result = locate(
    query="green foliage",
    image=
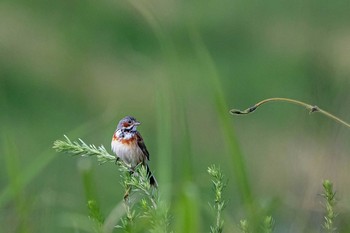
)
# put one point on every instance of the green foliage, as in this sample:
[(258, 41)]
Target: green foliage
[(138, 192), (329, 204), (244, 226), (143, 208), (219, 203), (82, 149), (27, 174), (16, 187), (268, 224), (210, 72), (95, 215)]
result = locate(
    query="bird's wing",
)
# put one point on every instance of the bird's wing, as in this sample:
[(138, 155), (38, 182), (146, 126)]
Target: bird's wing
[(142, 145)]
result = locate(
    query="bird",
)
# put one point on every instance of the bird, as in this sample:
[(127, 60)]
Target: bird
[(129, 146)]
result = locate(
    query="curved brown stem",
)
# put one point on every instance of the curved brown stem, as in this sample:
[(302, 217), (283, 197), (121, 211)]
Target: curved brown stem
[(311, 108)]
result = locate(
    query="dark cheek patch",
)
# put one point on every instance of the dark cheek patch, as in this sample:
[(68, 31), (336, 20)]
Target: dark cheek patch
[(125, 124)]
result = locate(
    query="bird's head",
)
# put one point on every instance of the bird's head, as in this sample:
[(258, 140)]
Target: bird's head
[(128, 123)]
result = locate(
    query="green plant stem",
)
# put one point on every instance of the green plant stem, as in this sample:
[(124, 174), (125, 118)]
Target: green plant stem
[(219, 203), (244, 226), (330, 201), (268, 224), (311, 108), (83, 149), (151, 197)]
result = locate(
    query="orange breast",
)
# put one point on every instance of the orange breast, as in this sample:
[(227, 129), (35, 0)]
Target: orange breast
[(124, 141), (128, 141)]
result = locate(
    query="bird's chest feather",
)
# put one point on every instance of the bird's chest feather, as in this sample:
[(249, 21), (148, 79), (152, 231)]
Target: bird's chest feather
[(125, 146)]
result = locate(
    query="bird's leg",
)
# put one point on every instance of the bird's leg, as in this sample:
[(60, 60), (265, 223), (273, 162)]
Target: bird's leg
[(128, 188), (127, 192), (117, 160)]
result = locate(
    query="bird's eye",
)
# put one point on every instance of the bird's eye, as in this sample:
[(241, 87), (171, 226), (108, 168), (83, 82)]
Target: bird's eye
[(129, 122)]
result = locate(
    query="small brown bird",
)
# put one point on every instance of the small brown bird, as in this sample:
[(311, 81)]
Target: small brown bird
[(129, 146)]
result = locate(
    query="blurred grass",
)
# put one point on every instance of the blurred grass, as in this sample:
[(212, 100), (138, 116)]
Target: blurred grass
[(238, 165), (164, 145), (76, 68), (20, 178), (16, 187)]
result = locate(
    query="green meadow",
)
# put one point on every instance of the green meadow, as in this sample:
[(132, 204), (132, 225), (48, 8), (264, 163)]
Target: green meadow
[(76, 68)]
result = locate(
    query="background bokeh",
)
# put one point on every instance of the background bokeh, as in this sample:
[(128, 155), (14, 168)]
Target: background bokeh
[(77, 67)]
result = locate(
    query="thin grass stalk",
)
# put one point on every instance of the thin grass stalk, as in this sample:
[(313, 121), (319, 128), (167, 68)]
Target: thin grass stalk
[(236, 157), (309, 107), (16, 185)]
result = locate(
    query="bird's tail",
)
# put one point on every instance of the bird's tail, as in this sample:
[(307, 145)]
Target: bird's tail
[(152, 179)]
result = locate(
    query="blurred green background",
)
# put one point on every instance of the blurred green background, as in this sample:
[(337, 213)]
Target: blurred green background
[(77, 67)]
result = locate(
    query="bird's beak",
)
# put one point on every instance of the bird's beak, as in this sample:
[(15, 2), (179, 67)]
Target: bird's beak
[(136, 123)]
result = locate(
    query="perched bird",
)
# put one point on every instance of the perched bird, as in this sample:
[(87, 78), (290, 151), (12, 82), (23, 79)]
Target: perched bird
[(129, 146)]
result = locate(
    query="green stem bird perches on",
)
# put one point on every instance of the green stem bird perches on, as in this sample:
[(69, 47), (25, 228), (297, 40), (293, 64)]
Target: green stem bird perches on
[(136, 182), (83, 149), (311, 108)]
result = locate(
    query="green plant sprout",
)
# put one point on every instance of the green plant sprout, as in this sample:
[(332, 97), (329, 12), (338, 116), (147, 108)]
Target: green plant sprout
[(311, 108), (268, 224), (83, 149), (95, 215), (330, 202), (219, 203), (244, 226)]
